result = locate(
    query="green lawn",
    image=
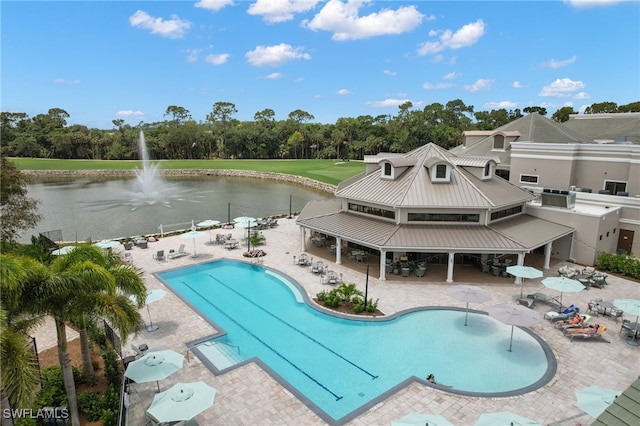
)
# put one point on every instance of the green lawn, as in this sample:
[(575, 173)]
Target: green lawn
[(327, 171)]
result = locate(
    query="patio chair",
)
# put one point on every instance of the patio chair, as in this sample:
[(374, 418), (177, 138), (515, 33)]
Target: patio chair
[(626, 328), (179, 253), (569, 312), (593, 308), (159, 256), (616, 314), (596, 334)]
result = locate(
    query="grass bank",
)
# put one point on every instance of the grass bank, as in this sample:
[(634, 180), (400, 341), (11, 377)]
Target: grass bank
[(327, 171)]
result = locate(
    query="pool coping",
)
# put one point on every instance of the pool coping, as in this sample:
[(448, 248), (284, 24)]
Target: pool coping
[(193, 346)]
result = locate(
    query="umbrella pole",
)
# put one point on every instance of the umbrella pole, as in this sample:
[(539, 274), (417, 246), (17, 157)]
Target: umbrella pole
[(151, 326), (511, 340), (466, 317), (521, 286)]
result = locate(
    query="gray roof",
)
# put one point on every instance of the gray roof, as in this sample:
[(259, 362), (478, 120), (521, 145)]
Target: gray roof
[(616, 127), (517, 234), (414, 188), (625, 409)]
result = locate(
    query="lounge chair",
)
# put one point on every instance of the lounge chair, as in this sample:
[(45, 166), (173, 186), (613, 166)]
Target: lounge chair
[(527, 301), (159, 256), (575, 322), (595, 334), (545, 298), (179, 253), (569, 312)]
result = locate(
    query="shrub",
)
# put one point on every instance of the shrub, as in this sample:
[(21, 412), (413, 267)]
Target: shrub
[(111, 367), (52, 392), (90, 403), (619, 263)]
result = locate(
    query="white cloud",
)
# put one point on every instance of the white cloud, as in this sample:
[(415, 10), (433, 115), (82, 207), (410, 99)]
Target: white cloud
[(452, 75), (217, 59), (481, 84), (67, 82), (275, 55), (438, 86), (192, 55), (500, 105), (390, 73), (563, 63), (466, 36), (387, 103), (343, 92), (343, 20), (582, 95), (594, 3), (516, 85), (172, 28), (130, 114), (214, 5), (276, 11), (274, 76), (561, 88)]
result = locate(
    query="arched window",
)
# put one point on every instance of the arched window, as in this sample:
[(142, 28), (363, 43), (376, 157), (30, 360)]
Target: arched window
[(441, 171), (387, 169), (498, 142), (487, 170)]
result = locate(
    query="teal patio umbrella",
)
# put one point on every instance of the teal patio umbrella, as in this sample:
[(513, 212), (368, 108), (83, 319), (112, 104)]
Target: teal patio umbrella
[(183, 401), (208, 224), (152, 296), (521, 271), (193, 235), (594, 399), (563, 285), (154, 366), (631, 307), (503, 418)]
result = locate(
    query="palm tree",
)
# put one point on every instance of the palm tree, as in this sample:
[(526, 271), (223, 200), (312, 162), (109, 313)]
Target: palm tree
[(114, 304), (256, 240), (19, 373), (70, 288)]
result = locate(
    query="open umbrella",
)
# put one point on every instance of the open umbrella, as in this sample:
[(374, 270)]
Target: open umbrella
[(154, 366), (63, 250), (152, 296), (503, 418), (594, 399), (563, 285), (631, 307), (183, 401), (193, 234), (521, 271), (514, 315), (419, 419), (107, 244), (208, 224), (468, 293), (245, 222)]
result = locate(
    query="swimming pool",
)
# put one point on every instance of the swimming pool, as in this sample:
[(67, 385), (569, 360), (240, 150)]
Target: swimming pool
[(339, 366)]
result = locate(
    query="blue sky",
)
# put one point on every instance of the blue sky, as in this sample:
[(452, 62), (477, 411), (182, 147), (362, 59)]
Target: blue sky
[(102, 61)]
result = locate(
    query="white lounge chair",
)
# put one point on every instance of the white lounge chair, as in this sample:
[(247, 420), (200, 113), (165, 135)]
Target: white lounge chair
[(179, 253)]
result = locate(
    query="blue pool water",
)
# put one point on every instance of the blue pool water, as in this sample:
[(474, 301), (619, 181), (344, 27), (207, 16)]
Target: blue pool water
[(341, 365)]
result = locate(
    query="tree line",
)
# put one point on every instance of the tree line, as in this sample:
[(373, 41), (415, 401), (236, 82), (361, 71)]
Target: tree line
[(220, 135)]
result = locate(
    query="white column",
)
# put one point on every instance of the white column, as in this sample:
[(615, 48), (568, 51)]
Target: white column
[(520, 263), (383, 264), (450, 262), (302, 238), (547, 255), (338, 251)]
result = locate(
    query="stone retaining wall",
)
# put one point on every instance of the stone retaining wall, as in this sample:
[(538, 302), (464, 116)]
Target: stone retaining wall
[(283, 177)]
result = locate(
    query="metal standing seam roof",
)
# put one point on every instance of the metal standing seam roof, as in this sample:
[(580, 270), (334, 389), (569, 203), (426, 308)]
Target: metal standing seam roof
[(383, 234), (414, 187), (624, 410)]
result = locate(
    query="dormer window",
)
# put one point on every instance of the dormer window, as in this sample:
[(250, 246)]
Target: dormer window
[(441, 173), (498, 142), (488, 169), (387, 169)]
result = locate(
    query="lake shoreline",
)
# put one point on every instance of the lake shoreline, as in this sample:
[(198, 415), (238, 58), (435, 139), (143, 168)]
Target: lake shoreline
[(110, 174)]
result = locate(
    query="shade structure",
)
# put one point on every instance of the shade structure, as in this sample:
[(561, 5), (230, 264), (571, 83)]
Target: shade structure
[(420, 419), (563, 285), (154, 366), (594, 399), (183, 401), (208, 224), (152, 296), (514, 315), (468, 294), (503, 418), (521, 271), (631, 307), (245, 222), (194, 234), (107, 244), (63, 250)]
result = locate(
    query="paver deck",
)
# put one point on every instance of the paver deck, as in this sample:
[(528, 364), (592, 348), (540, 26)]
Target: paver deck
[(249, 396)]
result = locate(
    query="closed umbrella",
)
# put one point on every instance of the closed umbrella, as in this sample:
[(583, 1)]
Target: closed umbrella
[(563, 285), (521, 271), (194, 234), (419, 419), (503, 418), (594, 399), (467, 293), (154, 366), (152, 296), (183, 401), (631, 307), (208, 224), (514, 315)]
